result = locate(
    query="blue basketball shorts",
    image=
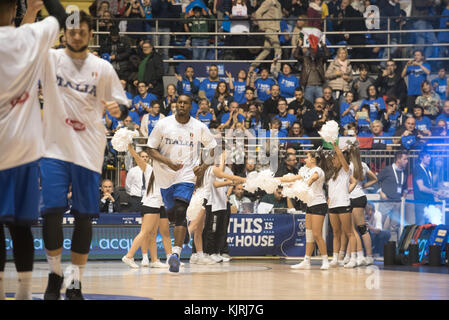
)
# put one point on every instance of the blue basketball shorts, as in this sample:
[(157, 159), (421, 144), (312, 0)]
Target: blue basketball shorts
[(19, 194), (56, 178), (180, 191)]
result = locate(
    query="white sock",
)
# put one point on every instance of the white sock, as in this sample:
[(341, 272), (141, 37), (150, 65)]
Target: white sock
[(2, 288), (200, 253), (325, 259), (78, 271), (335, 257), (360, 254), (177, 250), (144, 256), (341, 255), (354, 255), (307, 258), (55, 264), (24, 288)]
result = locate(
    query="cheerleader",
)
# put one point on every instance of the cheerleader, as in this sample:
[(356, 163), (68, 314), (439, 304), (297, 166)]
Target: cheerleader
[(316, 211), (339, 182), (153, 216), (360, 171)]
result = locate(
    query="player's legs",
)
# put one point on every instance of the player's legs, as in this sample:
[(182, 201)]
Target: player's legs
[(310, 245), (346, 223)]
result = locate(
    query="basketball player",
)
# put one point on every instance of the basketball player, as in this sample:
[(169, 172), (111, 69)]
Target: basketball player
[(77, 86), (22, 52), (175, 148)]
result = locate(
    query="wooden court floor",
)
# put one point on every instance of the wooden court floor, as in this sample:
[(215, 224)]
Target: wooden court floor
[(250, 280)]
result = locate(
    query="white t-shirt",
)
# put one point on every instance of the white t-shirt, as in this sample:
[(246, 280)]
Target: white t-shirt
[(317, 187), (208, 179), (339, 189), (181, 143), (358, 190), (218, 197), (134, 183), (239, 25), (73, 109), (22, 51), (154, 198)]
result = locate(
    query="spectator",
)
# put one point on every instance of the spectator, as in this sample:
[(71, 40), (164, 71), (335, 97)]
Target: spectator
[(297, 131), (169, 98), (148, 10), (443, 37), (285, 38), (269, 9), (238, 200), (378, 133), (209, 85), (250, 100), (409, 134), (289, 165), (132, 122), (315, 118), (348, 109), (151, 70), (445, 114), (274, 203), (421, 9), (119, 51), (165, 9), (129, 96), (275, 129), (363, 121), (332, 105), (339, 73), (312, 71), (422, 187), (238, 87), (110, 202), (262, 85), (222, 99), (135, 184), (423, 123), (393, 186), (134, 10), (360, 84), (379, 237), (230, 119), (429, 100), (439, 84), (391, 118), (62, 42), (143, 100), (253, 119), (390, 83), (269, 108), (151, 118), (300, 105), (105, 24), (239, 24), (391, 10), (188, 84), (286, 118), (222, 8), (286, 81), (205, 113), (374, 101), (195, 24), (297, 36), (417, 71), (314, 13)]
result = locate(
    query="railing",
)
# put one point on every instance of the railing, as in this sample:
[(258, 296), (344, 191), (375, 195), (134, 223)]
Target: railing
[(387, 32)]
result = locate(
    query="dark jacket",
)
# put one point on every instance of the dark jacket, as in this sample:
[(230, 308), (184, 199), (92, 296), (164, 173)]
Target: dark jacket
[(164, 9), (154, 70), (104, 206), (122, 52), (394, 87), (309, 63)]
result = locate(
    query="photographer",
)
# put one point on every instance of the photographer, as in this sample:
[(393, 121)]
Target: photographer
[(417, 71)]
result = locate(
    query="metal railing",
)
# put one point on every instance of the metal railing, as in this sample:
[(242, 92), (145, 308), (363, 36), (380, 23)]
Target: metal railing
[(387, 32)]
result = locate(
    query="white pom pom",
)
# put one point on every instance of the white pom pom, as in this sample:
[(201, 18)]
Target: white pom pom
[(121, 139), (267, 182), (299, 190), (251, 182), (329, 131)]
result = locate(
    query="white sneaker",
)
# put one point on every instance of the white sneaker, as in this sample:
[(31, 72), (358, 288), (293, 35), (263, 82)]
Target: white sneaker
[(351, 264), (226, 257), (346, 259), (130, 262), (305, 264), (325, 265), (334, 263), (216, 257), (145, 263), (205, 260), (369, 261), (158, 264), (194, 258), (361, 262)]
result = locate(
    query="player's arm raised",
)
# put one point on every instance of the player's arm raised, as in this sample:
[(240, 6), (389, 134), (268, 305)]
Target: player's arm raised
[(33, 7)]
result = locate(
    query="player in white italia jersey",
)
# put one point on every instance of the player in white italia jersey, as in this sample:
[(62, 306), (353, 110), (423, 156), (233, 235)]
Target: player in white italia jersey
[(175, 148), (22, 52), (77, 86)]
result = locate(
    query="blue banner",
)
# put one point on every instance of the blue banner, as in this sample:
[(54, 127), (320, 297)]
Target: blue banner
[(250, 235)]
